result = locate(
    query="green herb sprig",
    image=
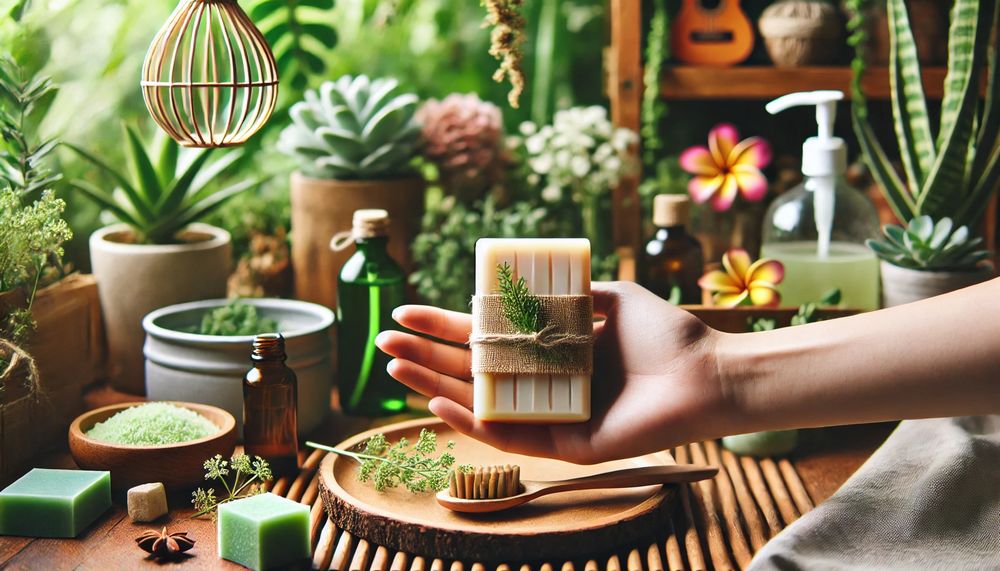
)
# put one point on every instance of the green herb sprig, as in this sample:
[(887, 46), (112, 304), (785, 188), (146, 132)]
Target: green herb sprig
[(805, 314), (241, 477), (234, 318), (389, 466), (519, 305)]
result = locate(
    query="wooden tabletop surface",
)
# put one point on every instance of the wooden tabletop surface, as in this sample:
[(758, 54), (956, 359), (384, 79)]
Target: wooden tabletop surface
[(824, 460)]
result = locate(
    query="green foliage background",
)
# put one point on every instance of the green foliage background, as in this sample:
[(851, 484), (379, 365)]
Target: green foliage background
[(93, 49)]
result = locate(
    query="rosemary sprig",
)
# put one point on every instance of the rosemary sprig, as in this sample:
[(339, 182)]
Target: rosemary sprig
[(248, 476), (391, 465), (519, 305)]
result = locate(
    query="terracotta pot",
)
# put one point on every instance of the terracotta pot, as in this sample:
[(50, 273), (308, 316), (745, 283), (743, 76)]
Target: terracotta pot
[(134, 279), (903, 285), (321, 208)]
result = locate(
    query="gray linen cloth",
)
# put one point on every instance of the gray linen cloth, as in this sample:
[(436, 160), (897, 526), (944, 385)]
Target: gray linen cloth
[(929, 498)]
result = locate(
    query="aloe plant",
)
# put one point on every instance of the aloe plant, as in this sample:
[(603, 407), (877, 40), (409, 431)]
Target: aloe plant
[(157, 199), (926, 245), (953, 173), (353, 129)]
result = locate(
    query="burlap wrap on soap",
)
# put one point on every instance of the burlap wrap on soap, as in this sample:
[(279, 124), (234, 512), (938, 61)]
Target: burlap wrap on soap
[(564, 347)]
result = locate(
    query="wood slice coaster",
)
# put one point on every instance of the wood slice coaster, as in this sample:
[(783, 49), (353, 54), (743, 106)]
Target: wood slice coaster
[(566, 525)]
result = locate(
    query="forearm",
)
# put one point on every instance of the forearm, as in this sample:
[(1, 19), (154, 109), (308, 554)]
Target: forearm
[(935, 358)]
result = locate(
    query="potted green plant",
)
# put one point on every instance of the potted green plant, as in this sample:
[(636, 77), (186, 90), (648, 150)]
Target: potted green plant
[(198, 352), (927, 258), (158, 254), (354, 141), (949, 178)]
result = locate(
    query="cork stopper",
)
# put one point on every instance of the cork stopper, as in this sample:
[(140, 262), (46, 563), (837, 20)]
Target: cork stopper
[(371, 223), (671, 209)]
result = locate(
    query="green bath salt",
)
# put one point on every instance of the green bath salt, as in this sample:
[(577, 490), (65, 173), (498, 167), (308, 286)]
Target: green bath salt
[(153, 424)]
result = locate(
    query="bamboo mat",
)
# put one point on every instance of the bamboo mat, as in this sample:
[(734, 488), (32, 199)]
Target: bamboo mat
[(716, 524)]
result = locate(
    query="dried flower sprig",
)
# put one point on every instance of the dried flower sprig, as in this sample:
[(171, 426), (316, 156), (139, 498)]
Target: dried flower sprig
[(241, 477), (391, 465), (506, 41)]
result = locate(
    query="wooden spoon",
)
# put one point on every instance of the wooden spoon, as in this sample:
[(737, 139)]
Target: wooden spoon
[(629, 478)]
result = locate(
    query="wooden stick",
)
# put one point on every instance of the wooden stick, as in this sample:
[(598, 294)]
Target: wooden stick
[(703, 499), (525, 567), (503, 567), (785, 505), (400, 562), (478, 567), (568, 566), (457, 566), (317, 517), (634, 561), (590, 566), (306, 474), (546, 567), (799, 493), (342, 554), (761, 494), (323, 552), (380, 561), (614, 564), (672, 548), (726, 501), (751, 515), (360, 560), (418, 564), (281, 486), (692, 543), (653, 560)]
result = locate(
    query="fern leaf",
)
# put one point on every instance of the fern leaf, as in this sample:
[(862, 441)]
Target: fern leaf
[(519, 305)]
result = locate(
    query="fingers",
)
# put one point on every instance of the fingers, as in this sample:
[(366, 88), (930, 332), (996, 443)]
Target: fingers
[(441, 323), (452, 361), (431, 383), (532, 440)]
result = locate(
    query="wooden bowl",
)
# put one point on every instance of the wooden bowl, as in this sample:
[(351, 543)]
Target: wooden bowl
[(179, 466)]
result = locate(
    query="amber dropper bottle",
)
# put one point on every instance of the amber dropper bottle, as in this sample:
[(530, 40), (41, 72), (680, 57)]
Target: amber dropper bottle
[(672, 260), (270, 405)]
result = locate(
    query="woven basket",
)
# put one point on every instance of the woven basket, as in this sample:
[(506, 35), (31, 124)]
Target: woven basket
[(801, 32)]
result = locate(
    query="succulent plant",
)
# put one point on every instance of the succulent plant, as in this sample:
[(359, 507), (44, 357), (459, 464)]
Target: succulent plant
[(463, 137), (354, 128), (926, 245), (160, 191)]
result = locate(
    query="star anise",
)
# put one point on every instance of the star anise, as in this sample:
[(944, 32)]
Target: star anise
[(164, 545)]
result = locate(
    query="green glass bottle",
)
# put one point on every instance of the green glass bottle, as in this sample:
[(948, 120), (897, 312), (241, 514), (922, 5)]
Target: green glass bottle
[(370, 286)]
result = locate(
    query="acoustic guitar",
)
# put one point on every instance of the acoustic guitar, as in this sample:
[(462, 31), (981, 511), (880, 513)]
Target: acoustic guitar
[(712, 32)]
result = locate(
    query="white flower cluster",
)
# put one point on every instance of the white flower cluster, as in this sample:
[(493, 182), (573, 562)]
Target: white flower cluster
[(581, 153)]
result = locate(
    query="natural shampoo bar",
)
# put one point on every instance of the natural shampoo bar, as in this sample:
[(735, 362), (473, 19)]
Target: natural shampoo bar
[(54, 503), (539, 373)]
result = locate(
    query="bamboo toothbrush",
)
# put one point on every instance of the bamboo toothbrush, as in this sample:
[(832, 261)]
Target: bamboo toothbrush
[(496, 488)]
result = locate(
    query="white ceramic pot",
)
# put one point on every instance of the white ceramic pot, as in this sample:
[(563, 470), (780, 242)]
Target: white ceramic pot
[(209, 369), (134, 279), (903, 285)]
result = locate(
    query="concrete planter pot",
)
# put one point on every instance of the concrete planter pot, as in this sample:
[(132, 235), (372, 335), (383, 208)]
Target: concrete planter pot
[(134, 279), (321, 208), (209, 369), (903, 285)]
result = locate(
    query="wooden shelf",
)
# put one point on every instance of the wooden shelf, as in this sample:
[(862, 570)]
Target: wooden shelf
[(765, 82)]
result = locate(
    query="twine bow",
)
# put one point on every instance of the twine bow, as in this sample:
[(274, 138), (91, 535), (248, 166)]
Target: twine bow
[(550, 337)]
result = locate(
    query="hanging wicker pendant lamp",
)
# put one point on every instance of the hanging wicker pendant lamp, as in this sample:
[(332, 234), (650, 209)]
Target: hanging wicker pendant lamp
[(209, 79)]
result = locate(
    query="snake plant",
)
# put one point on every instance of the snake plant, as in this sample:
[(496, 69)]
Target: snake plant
[(953, 173), (353, 129), (158, 199), (926, 245)]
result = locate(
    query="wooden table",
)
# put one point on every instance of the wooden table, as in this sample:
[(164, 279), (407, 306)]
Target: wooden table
[(825, 459)]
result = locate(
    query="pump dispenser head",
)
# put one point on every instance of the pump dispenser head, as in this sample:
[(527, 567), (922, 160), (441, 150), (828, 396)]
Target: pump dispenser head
[(824, 154)]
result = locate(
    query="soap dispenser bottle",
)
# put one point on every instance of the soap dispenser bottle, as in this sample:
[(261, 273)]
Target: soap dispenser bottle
[(818, 229)]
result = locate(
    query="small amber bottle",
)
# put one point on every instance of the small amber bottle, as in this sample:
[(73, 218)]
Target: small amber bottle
[(672, 261), (270, 404)]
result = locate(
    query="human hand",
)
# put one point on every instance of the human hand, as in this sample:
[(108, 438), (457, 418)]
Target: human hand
[(655, 382)]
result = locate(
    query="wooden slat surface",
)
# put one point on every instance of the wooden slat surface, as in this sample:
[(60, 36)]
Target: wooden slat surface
[(715, 524)]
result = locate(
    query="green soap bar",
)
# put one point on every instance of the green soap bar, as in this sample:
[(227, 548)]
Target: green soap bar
[(771, 443), (264, 531), (54, 503)]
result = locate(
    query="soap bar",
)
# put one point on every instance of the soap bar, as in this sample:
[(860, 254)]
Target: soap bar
[(54, 503), (556, 267), (264, 531), (147, 502)]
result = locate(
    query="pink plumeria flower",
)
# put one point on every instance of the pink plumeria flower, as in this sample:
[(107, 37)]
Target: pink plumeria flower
[(744, 282), (727, 166)]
